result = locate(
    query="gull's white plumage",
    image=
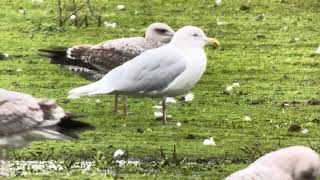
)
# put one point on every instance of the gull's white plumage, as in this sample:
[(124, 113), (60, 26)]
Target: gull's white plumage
[(170, 70), (144, 76), (292, 163)]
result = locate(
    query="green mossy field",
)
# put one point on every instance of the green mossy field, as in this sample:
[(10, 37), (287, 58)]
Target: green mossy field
[(268, 46)]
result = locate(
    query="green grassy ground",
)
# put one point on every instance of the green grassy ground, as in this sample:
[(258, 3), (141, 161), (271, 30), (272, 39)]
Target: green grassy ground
[(265, 56)]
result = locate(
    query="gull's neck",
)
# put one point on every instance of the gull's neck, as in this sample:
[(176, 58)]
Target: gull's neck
[(184, 45), (154, 44)]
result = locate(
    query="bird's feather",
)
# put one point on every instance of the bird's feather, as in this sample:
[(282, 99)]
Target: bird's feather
[(100, 57), (24, 118), (18, 112)]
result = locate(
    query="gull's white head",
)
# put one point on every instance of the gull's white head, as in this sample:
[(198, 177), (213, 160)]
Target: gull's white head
[(159, 33), (191, 36)]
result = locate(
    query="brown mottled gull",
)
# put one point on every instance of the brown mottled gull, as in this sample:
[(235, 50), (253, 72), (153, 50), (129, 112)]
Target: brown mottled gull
[(292, 163), (94, 61)]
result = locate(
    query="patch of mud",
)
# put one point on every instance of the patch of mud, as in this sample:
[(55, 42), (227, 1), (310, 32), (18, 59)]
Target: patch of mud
[(311, 102)]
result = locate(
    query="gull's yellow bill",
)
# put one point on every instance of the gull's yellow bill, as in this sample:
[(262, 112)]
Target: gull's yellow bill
[(213, 41)]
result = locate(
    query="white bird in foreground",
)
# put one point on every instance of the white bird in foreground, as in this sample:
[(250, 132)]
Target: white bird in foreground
[(24, 119), (94, 61), (168, 71), (292, 163)]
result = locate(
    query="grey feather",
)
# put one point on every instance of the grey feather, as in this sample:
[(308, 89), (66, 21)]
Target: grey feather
[(24, 118), (20, 112), (146, 75)]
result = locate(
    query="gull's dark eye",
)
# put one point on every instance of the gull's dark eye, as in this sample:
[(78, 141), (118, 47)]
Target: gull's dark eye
[(161, 31), (195, 35)]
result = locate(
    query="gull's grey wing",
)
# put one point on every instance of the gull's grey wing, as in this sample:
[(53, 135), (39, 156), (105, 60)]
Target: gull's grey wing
[(21, 112), (151, 72), (24, 119), (110, 54)]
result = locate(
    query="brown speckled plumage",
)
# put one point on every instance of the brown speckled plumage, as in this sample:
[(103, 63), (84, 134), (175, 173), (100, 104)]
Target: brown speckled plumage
[(94, 61), (110, 54)]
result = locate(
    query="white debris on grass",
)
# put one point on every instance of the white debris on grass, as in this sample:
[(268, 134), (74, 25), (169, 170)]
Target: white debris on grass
[(121, 7), (6, 55), (218, 2), (157, 107), (189, 97), (37, 1), (318, 50), (118, 153), (229, 89), (30, 167), (124, 162), (159, 115), (98, 101), (235, 85), (221, 23), (45, 166), (22, 11), (19, 70), (179, 124), (73, 17), (209, 142), (260, 17), (171, 100), (304, 131), (285, 104), (247, 118), (111, 25)]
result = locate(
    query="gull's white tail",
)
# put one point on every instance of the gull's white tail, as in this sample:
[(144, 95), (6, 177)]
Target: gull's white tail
[(89, 90)]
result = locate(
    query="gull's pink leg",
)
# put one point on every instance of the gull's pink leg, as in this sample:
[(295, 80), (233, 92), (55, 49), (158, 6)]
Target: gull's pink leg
[(116, 98), (124, 105), (164, 109)]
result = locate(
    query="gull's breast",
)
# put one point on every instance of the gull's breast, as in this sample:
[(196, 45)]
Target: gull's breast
[(196, 64)]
